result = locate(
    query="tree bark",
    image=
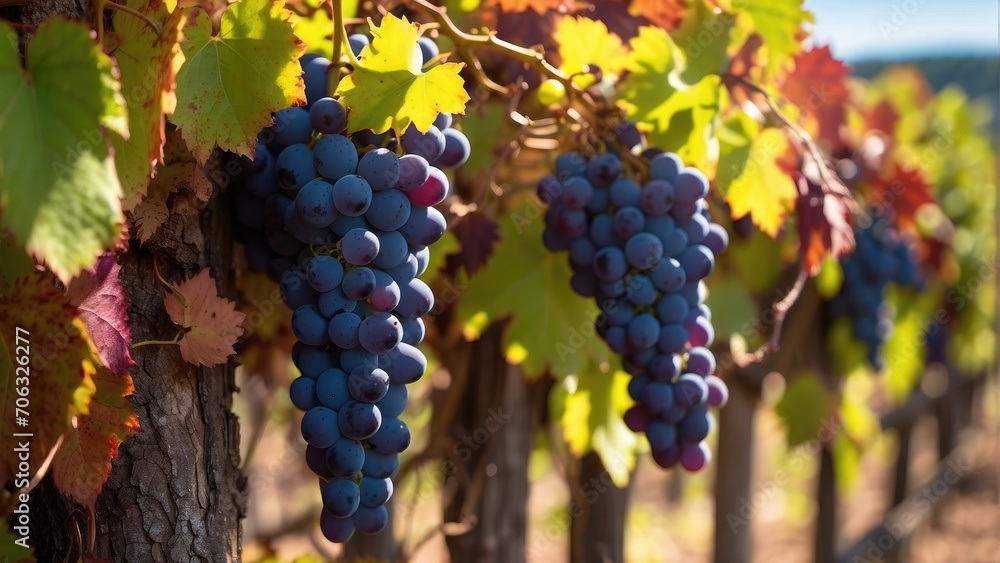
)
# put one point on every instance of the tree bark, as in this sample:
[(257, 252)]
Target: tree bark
[(493, 433), (599, 513), (734, 472), (175, 492)]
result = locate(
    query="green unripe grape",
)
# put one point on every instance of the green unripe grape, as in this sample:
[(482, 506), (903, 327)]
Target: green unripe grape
[(551, 91)]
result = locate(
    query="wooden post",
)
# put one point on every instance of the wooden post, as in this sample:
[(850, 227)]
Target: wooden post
[(733, 477), (598, 512)]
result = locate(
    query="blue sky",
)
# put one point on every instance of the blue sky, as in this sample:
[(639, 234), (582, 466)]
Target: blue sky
[(889, 29)]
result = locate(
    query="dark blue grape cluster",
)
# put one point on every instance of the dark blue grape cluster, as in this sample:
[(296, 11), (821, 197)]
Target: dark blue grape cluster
[(641, 248), (882, 257), (344, 225)]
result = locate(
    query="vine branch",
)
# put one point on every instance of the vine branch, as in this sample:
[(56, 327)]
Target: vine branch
[(780, 308)]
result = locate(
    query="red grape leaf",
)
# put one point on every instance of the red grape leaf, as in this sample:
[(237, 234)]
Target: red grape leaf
[(882, 116), (539, 6), (212, 324), (478, 236), (82, 465), (60, 365), (903, 192), (824, 225), (102, 303), (818, 87), (667, 14), (741, 66)]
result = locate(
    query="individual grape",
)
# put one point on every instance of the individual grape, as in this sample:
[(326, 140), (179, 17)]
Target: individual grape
[(425, 226), (431, 192), (643, 331), (371, 520), (309, 325), (581, 252), (313, 361), (359, 283), (393, 437), (368, 384), (423, 257), (701, 361), (661, 435), (332, 389), (599, 201), (667, 458), (343, 330), (628, 135), (413, 330), (665, 166), (701, 332), (637, 418), (429, 145), (570, 164), (316, 461), (628, 221), (696, 229), (643, 291), (335, 157), (664, 367), (357, 42), (392, 249), (690, 390), (672, 309), (695, 456), (291, 126), (386, 295), (341, 497), (319, 427), (389, 210), (576, 193), (380, 465), (443, 121), (657, 396), (696, 424), (352, 196), (698, 262), (324, 273), (690, 186), (602, 231), (672, 338), (314, 74), (394, 402), (380, 168), (295, 290), (260, 171), (295, 167), (375, 492), (456, 149), (413, 172), (604, 169), (359, 246), (359, 421), (609, 264), (617, 339), (428, 49), (416, 299), (656, 198), (314, 204), (571, 223), (625, 193), (337, 530), (551, 92), (675, 243), (380, 333), (328, 116), (303, 393), (335, 301), (345, 458), (643, 251), (408, 364)]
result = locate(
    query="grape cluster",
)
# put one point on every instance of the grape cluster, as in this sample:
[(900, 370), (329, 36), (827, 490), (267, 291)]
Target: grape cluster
[(344, 225), (881, 257), (641, 249)]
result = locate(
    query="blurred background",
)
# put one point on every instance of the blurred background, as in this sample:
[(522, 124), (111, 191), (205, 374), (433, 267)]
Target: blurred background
[(947, 510)]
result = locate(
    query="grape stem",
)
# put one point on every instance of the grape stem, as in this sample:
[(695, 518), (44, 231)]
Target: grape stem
[(101, 5), (780, 308), (828, 181), (339, 37)]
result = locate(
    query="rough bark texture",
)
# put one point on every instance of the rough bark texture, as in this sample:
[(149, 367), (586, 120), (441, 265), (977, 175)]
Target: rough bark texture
[(598, 515), (175, 492), (493, 431), (734, 474)]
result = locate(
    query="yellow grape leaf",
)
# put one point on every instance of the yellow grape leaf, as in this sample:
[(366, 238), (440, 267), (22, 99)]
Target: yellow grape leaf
[(82, 464), (58, 188), (583, 41), (316, 30), (57, 368), (148, 63), (804, 409), (388, 90), (750, 174), (230, 83), (211, 323), (779, 22)]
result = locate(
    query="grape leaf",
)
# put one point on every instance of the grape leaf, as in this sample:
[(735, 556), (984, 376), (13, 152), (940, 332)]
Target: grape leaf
[(58, 188), (99, 296), (804, 408), (61, 365), (478, 236), (231, 82), (16, 264), (667, 14), (148, 63), (590, 406), (824, 223), (82, 464), (904, 191), (11, 552), (211, 323), (551, 326), (584, 41), (751, 176), (677, 107), (388, 90), (882, 117), (151, 213), (485, 130), (779, 23), (905, 348), (542, 7), (818, 87), (316, 28)]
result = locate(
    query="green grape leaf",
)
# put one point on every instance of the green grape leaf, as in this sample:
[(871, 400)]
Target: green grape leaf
[(60, 367), (905, 349), (753, 177), (551, 326), (16, 264), (583, 41), (388, 89), (230, 83), (757, 261), (779, 22), (82, 464), (591, 405), (677, 105), (148, 63), (316, 30), (804, 409), (58, 188), (484, 128), (733, 310)]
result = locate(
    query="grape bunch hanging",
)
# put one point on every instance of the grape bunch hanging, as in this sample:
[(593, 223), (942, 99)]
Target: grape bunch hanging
[(344, 224), (640, 245), (882, 257)]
